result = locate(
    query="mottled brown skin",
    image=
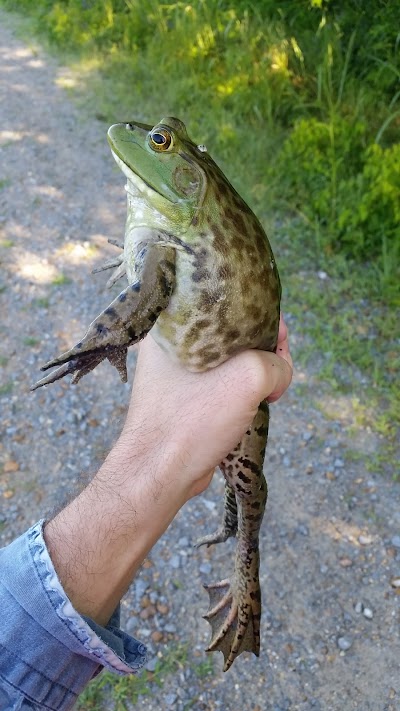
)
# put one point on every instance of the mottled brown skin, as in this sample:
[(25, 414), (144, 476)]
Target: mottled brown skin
[(203, 279)]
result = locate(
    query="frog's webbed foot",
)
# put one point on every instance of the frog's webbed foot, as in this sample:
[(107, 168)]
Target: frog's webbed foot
[(235, 613), (127, 320)]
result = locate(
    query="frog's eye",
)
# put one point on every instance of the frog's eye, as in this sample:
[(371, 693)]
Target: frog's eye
[(160, 139)]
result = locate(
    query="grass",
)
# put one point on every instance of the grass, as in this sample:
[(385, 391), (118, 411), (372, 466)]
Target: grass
[(126, 690), (7, 388), (61, 280), (30, 341)]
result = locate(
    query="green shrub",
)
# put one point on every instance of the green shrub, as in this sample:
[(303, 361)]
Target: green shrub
[(348, 190)]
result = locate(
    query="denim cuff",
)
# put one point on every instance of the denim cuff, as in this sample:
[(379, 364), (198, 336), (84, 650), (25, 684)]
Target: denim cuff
[(48, 652)]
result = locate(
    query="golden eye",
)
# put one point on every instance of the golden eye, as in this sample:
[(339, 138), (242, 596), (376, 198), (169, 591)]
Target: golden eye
[(160, 139)]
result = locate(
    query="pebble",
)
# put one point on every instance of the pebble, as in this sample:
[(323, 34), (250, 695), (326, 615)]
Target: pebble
[(344, 643), (338, 463), (307, 436), (286, 461), (151, 664), (205, 568), (364, 540), (132, 625), (396, 541), (170, 699), (358, 607), (183, 542), (175, 561), (210, 505), (303, 529), (170, 627), (140, 588), (367, 612)]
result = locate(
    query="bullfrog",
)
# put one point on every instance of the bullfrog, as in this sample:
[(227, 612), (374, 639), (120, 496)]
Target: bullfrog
[(203, 279)]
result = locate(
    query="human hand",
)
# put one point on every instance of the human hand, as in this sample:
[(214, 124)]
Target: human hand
[(180, 425), (188, 422)]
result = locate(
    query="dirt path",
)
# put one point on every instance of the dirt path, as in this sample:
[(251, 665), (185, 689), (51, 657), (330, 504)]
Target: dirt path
[(331, 539)]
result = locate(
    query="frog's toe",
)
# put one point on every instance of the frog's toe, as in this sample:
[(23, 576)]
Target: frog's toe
[(220, 536)]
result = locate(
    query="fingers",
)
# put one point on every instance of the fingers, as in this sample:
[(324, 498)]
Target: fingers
[(282, 349)]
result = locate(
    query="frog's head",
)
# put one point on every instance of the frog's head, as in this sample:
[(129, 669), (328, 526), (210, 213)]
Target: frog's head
[(162, 165)]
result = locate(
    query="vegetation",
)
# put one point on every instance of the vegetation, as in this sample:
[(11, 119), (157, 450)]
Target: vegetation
[(306, 95)]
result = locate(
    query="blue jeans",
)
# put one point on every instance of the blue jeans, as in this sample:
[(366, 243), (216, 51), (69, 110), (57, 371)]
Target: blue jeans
[(48, 652)]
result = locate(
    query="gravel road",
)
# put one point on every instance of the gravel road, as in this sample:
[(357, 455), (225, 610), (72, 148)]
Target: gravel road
[(330, 544)]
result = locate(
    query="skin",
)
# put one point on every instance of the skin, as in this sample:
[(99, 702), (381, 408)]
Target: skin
[(202, 277), (165, 455)]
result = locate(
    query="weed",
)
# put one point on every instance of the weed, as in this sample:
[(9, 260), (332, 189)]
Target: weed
[(6, 243), (61, 280), (126, 690), (42, 302), (7, 388), (30, 341)]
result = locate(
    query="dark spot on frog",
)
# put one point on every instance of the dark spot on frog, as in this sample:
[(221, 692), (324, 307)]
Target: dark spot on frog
[(101, 329), (122, 296), (204, 323), (111, 313), (152, 317), (239, 222), (79, 345), (136, 286), (209, 357), (208, 298), (232, 335), (254, 312), (169, 266), (225, 271), (200, 275), (245, 479)]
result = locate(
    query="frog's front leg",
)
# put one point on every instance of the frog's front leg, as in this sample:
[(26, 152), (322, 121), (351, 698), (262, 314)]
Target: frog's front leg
[(235, 604), (124, 322)]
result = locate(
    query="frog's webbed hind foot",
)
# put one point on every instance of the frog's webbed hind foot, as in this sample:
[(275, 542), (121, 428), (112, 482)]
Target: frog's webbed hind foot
[(234, 617), (125, 322), (229, 524), (219, 536)]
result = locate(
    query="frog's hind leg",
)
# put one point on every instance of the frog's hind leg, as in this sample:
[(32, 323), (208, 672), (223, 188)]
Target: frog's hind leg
[(124, 322), (229, 523), (235, 604)]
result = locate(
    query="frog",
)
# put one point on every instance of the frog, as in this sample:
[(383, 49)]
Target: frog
[(202, 278)]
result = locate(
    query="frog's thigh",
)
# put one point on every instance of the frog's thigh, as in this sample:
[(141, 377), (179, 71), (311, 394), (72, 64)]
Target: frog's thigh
[(243, 471)]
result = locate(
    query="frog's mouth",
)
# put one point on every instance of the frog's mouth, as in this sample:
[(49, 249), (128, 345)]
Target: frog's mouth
[(135, 186)]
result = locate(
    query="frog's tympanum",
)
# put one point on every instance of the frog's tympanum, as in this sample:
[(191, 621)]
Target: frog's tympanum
[(202, 276)]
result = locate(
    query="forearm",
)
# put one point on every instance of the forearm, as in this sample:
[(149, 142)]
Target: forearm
[(98, 542)]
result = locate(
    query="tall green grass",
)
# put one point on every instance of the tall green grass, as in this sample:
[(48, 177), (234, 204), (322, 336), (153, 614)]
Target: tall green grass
[(306, 94)]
